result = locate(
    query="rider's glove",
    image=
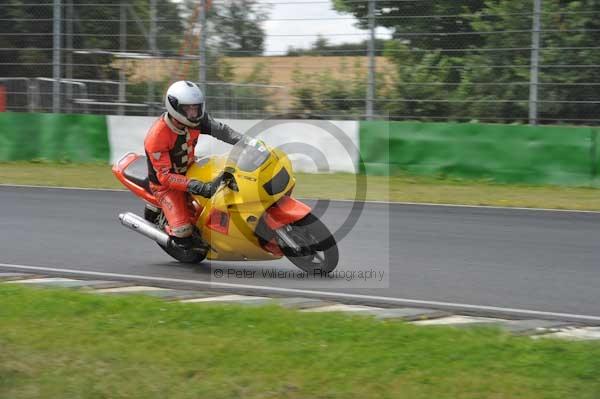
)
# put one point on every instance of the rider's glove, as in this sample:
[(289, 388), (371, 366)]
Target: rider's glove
[(205, 190)]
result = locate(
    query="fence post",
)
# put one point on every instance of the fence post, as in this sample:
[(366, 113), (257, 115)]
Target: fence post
[(371, 55), (534, 64), (56, 42), (593, 155), (152, 42), (34, 95), (69, 55), (202, 47), (123, 49)]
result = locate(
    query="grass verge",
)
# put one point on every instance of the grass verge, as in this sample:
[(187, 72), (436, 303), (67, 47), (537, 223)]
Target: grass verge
[(65, 344), (342, 186)]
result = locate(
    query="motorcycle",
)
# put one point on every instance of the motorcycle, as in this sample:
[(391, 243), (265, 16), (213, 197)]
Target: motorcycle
[(251, 216)]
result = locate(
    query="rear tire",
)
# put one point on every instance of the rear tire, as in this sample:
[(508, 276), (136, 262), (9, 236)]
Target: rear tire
[(181, 255), (318, 248), (184, 256)]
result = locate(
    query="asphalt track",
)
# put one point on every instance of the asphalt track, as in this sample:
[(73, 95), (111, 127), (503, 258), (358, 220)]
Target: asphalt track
[(526, 259)]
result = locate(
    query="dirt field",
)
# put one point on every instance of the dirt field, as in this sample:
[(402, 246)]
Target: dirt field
[(280, 69)]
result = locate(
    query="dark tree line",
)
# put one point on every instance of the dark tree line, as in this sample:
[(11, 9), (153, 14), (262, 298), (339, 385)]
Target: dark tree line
[(26, 40), (470, 60), (28, 30)]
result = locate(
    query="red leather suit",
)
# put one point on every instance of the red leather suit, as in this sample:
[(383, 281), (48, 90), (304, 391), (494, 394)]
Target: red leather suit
[(170, 151)]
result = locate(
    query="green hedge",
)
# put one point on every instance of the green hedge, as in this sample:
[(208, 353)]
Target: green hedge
[(504, 153), (56, 137)]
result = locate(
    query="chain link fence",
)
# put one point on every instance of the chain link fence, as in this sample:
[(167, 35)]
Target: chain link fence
[(112, 58), (533, 61)]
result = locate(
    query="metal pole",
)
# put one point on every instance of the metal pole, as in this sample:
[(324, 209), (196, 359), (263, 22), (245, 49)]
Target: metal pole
[(31, 96), (56, 56), (534, 64), (202, 47), (153, 51), (371, 55), (69, 46), (123, 49)]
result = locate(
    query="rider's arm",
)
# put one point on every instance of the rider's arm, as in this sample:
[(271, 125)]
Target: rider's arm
[(219, 130), (158, 153)]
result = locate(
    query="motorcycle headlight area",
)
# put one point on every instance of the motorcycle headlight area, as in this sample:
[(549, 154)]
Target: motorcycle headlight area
[(278, 183)]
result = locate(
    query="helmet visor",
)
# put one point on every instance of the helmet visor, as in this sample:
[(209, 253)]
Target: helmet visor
[(193, 112)]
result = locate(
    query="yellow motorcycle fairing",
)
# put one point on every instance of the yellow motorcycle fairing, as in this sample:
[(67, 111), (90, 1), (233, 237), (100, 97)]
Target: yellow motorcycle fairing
[(228, 220)]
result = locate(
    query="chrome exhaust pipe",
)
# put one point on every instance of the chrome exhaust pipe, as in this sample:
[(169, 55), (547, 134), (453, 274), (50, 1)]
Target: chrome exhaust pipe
[(144, 227)]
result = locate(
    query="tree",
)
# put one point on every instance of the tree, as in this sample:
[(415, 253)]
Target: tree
[(250, 96), (489, 80), (493, 82), (421, 24), (424, 84), (320, 45), (570, 32), (427, 74), (323, 48), (334, 95), (575, 33), (236, 27), (94, 27)]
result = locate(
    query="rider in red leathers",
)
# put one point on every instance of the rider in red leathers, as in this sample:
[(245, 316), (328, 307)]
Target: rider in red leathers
[(169, 147)]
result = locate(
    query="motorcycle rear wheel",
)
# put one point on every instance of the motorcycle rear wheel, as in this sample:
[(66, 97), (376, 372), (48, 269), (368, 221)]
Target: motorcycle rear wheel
[(318, 249), (181, 255), (184, 256)]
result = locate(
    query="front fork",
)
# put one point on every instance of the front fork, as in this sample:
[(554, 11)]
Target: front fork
[(284, 236)]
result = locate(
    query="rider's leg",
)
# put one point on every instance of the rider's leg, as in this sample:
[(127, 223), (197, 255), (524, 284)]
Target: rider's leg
[(175, 206)]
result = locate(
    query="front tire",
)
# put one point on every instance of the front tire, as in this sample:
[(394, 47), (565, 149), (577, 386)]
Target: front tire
[(318, 248)]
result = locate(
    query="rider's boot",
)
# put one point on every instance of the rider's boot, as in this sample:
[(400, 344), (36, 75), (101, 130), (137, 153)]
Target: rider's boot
[(183, 243), (190, 243)]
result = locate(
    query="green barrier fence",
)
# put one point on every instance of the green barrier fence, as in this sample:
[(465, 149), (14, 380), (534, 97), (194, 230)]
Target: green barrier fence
[(504, 153), (56, 137)]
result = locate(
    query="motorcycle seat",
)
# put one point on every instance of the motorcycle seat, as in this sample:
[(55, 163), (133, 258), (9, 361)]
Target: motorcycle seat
[(137, 172)]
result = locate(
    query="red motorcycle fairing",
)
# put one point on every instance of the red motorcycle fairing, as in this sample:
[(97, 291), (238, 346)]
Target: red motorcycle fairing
[(273, 248), (218, 221), (138, 190), (285, 211)]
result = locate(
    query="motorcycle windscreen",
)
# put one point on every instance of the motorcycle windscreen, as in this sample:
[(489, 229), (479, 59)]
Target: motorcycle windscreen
[(250, 157)]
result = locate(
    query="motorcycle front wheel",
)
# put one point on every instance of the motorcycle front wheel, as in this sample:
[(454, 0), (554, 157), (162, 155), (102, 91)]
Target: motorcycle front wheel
[(318, 249)]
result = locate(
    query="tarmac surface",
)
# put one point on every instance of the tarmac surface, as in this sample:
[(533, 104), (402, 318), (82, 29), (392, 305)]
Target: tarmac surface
[(546, 261)]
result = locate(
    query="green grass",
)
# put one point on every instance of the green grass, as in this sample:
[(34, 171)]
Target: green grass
[(343, 186), (65, 344)]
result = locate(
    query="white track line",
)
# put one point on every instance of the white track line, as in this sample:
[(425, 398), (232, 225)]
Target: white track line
[(226, 298), (469, 206), (337, 295), (336, 200)]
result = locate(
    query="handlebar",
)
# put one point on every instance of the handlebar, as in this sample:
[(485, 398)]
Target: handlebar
[(229, 178)]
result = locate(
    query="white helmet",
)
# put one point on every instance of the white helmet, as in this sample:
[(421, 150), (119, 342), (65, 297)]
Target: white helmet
[(182, 93)]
